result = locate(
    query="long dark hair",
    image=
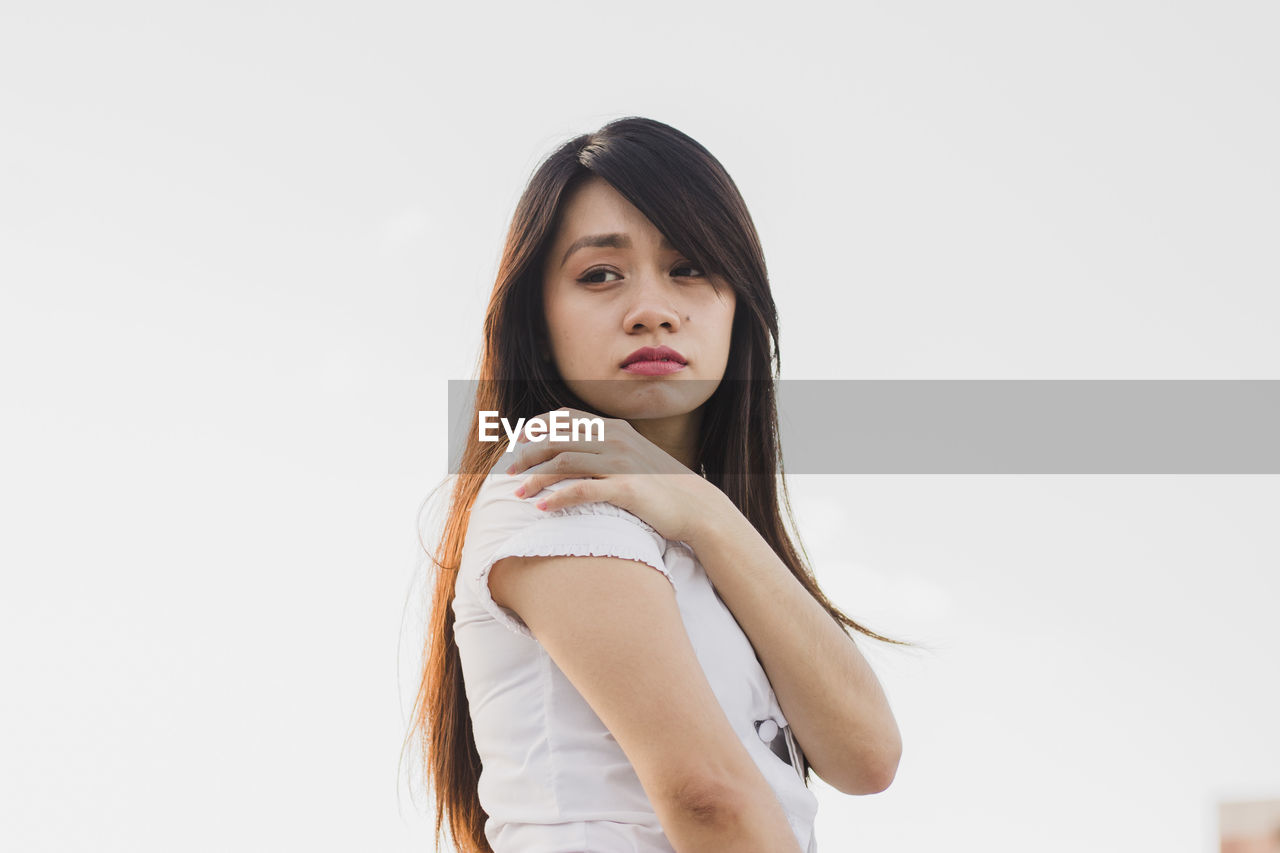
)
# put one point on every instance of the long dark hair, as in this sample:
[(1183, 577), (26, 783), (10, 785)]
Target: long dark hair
[(690, 198)]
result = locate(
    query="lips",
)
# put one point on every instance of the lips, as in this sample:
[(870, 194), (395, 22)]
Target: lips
[(663, 353)]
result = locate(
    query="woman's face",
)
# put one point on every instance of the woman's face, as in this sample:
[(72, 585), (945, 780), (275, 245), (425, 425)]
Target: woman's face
[(625, 289)]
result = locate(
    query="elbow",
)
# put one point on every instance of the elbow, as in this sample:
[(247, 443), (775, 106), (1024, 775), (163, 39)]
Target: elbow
[(709, 811), (885, 760), (869, 773), (885, 767), (882, 778), (705, 802), (869, 777)]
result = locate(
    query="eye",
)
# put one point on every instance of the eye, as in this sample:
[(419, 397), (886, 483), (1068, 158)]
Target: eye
[(586, 277), (698, 273)]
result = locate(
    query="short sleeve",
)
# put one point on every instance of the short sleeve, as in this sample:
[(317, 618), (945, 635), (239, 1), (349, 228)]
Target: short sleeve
[(503, 525)]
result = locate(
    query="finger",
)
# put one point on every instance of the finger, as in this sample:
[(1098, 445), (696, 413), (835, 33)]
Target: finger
[(565, 466), (583, 491), (522, 437), (536, 452), (572, 413)]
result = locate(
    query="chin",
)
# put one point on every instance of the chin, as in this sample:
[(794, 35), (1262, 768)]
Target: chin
[(653, 400)]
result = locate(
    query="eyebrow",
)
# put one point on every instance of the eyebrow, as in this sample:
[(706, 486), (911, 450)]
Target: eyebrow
[(610, 241)]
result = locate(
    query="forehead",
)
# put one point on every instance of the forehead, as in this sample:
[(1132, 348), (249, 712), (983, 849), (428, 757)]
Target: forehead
[(595, 206)]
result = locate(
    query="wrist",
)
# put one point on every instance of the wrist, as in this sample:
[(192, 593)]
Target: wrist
[(715, 512)]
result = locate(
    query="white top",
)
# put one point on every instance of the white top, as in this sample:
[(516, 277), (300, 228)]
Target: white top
[(553, 777)]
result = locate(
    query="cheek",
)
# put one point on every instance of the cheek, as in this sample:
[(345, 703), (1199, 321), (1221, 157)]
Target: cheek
[(559, 313), (728, 309), (574, 334)]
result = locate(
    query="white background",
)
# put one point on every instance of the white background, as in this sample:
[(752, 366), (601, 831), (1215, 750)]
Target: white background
[(243, 247)]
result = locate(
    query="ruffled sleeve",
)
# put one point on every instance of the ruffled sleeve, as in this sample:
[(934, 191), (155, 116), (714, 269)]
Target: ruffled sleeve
[(503, 525)]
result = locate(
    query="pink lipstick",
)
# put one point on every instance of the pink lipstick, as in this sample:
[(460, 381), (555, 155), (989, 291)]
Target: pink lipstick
[(654, 361)]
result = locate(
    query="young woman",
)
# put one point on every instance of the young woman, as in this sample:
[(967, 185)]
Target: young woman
[(626, 651)]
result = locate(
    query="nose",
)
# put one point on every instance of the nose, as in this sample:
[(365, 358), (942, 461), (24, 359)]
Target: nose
[(652, 306)]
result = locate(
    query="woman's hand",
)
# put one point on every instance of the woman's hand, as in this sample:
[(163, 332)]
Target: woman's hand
[(625, 469)]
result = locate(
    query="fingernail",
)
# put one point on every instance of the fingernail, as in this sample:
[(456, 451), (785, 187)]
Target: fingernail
[(512, 469), (520, 492), (542, 504)]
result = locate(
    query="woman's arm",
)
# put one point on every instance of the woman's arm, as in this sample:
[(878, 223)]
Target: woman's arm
[(613, 627), (828, 692)]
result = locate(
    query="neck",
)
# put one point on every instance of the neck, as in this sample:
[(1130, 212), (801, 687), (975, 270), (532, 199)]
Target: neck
[(677, 435)]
